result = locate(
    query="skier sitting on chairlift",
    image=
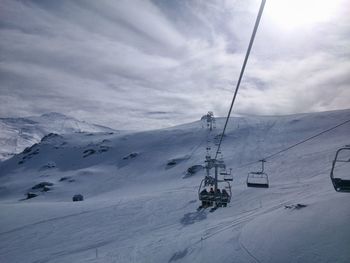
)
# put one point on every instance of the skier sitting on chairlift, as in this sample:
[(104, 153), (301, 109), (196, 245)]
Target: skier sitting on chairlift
[(224, 197), (204, 194), (211, 196), (218, 193), (218, 197)]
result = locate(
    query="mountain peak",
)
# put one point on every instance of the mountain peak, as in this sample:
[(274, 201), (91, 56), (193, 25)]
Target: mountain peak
[(18, 133), (53, 115)]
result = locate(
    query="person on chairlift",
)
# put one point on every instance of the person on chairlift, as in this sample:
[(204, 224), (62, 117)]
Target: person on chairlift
[(211, 196), (218, 197), (211, 192), (204, 194)]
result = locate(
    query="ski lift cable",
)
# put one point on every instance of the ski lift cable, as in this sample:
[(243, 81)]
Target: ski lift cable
[(308, 139), (296, 144), (242, 72)]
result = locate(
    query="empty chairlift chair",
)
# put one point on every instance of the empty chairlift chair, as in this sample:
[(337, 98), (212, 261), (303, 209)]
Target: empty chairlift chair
[(227, 175), (340, 175), (258, 179)]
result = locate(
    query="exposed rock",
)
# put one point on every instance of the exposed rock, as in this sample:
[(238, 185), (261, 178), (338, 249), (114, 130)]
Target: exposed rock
[(50, 136), (49, 165), (297, 206), (103, 149), (66, 178), (29, 153), (78, 197), (28, 149), (171, 163), (88, 152), (41, 185), (31, 195), (46, 189), (130, 156), (193, 170)]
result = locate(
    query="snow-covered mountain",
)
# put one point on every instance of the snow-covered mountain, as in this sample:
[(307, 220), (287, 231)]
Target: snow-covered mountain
[(140, 201), (18, 133)]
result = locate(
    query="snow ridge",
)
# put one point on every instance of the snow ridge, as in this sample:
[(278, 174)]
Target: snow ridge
[(18, 133)]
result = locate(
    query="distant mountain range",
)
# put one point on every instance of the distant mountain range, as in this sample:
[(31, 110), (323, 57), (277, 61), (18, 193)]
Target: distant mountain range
[(18, 133)]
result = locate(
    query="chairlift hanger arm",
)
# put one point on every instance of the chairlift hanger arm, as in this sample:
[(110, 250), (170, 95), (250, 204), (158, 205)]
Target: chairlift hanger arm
[(262, 165)]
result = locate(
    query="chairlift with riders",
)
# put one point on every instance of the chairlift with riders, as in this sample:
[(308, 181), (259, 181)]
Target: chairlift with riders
[(214, 191)]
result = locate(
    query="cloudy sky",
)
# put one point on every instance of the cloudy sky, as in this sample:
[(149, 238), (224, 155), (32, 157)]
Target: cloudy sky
[(139, 64)]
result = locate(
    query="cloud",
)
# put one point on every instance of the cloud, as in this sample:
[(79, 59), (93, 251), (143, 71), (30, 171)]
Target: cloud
[(151, 64)]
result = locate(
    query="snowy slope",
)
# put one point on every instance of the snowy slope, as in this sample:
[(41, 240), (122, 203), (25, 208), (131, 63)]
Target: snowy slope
[(140, 207), (18, 133)]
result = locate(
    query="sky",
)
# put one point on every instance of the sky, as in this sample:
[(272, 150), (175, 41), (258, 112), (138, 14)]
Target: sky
[(151, 64)]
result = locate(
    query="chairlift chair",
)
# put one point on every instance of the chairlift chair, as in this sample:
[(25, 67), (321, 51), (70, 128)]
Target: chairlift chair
[(340, 184), (221, 164), (227, 175), (258, 179), (219, 198)]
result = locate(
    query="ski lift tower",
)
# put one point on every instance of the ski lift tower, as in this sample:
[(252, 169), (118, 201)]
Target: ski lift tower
[(210, 120)]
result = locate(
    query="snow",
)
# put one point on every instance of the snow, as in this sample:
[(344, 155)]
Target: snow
[(18, 133), (322, 226), (140, 209)]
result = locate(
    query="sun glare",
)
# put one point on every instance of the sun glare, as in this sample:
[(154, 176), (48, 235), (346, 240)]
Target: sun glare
[(298, 13)]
